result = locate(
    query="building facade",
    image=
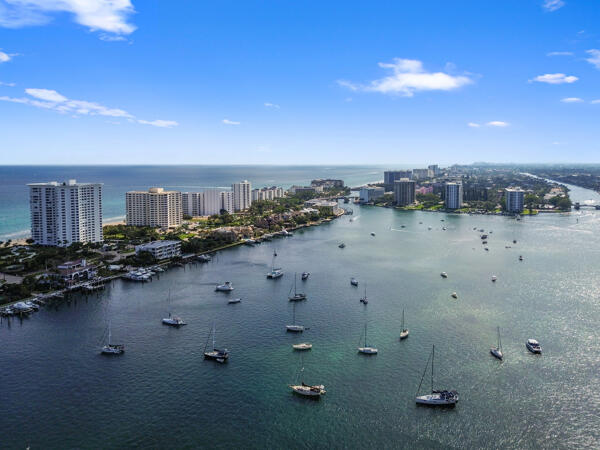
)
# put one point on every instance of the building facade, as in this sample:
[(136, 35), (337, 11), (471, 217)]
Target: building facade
[(369, 194), (161, 249), (404, 192), (420, 174), (453, 198), (514, 200), (64, 213), (242, 195), (227, 201), (390, 176), (267, 193), (154, 208)]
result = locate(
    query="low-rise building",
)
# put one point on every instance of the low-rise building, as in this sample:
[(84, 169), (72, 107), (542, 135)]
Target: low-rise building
[(327, 183), (327, 207), (160, 249), (76, 270), (369, 194)]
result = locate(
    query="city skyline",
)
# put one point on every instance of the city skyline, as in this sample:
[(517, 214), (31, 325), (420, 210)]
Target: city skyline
[(136, 82)]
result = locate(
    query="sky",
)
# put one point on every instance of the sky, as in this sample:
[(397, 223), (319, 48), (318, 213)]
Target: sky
[(299, 82)]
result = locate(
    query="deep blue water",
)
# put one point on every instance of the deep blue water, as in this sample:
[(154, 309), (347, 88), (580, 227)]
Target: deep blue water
[(14, 200)]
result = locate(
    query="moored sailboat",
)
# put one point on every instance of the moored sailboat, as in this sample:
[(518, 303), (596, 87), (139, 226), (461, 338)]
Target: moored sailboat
[(294, 327), (215, 354), (297, 295), (366, 349), (437, 397), (404, 332), (497, 351), (110, 348)]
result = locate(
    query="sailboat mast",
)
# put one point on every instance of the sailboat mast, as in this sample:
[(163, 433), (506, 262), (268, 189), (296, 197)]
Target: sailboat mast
[(365, 334), (402, 320), (499, 342), (109, 333), (432, 358), (294, 314), (295, 276), (214, 332)]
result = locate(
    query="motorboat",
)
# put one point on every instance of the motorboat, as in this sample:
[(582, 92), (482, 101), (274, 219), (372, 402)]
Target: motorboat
[(173, 321), (494, 278), (307, 390), (533, 346), (203, 258), (302, 346), (234, 300), (215, 354), (298, 296), (342, 245), (486, 249), (366, 349), (372, 234), (404, 332), (454, 295), (514, 241), (305, 276), (521, 258), (497, 351), (437, 397), (353, 281), (226, 287), (444, 275)]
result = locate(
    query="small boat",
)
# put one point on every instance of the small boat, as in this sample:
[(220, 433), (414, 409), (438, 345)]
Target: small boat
[(307, 390), (514, 241), (429, 228), (226, 287), (353, 281), (486, 249), (112, 349), (484, 236), (372, 234), (294, 328), (497, 351), (484, 242), (404, 332), (533, 346), (234, 300), (402, 226), (454, 295), (297, 295), (342, 245), (302, 346), (367, 350), (275, 272), (444, 275), (437, 397), (494, 278), (521, 258), (364, 300), (215, 354), (305, 276), (173, 321)]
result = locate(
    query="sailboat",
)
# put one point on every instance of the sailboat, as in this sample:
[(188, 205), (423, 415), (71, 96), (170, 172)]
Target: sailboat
[(307, 390), (437, 397), (497, 351), (294, 328), (173, 321), (404, 332), (215, 354), (297, 295), (112, 349), (275, 272), (364, 299), (366, 349)]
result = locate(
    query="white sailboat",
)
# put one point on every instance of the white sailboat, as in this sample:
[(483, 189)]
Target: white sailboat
[(302, 346), (367, 350), (215, 354), (275, 272), (307, 390), (497, 351), (294, 327), (437, 397), (110, 348), (297, 295), (173, 321), (364, 299), (404, 332)]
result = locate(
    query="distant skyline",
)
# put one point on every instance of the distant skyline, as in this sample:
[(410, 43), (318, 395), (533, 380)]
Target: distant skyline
[(378, 83)]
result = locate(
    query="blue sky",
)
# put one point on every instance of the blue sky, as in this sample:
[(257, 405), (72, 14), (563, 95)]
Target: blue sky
[(310, 82)]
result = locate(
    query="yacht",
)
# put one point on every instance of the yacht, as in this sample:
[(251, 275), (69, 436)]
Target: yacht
[(444, 275), (307, 390), (234, 300), (367, 350), (353, 281), (444, 228), (275, 272), (454, 295), (215, 354), (173, 321), (342, 245), (533, 346), (437, 397), (112, 349), (302, 346), (497, 351), (372, 234), (404, 332), (494, 278), (226, 287), (297, 295), (294, 328), (305, 276)]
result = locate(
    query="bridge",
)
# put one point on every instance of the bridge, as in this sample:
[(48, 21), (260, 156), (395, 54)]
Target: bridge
[(579, 206)]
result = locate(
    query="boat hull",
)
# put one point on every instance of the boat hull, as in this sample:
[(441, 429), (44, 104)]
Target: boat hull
[(437, 399), (367, 350), (302, 347), (496, 353), (309, 391), (294, 328), (404, 334)]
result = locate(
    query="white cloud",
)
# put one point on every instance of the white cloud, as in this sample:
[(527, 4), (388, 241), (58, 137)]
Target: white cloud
[(473, 125), (272, 105), (2, 83), (112, 38), (559, 54), (555, 78), (50, 99), (230, 122), (409, 77), (594, 58), (159, 123), (111, 16), (497, 123), (5, 57), (553, 5), (595, 102), (572, 100)]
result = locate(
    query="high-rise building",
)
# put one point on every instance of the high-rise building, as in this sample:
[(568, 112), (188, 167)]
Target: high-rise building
[(453, 195), (64, 213), (404, 192), (390, 176), (154, 208), (434, 170), (420, 174), (227, 201), (191, 203), (212, 202), (267, 193), (370, 193), (514, 200), (242, 197)]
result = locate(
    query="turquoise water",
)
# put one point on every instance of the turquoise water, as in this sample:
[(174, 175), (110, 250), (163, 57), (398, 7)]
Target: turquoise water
[(14, 194), (57, 392)]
